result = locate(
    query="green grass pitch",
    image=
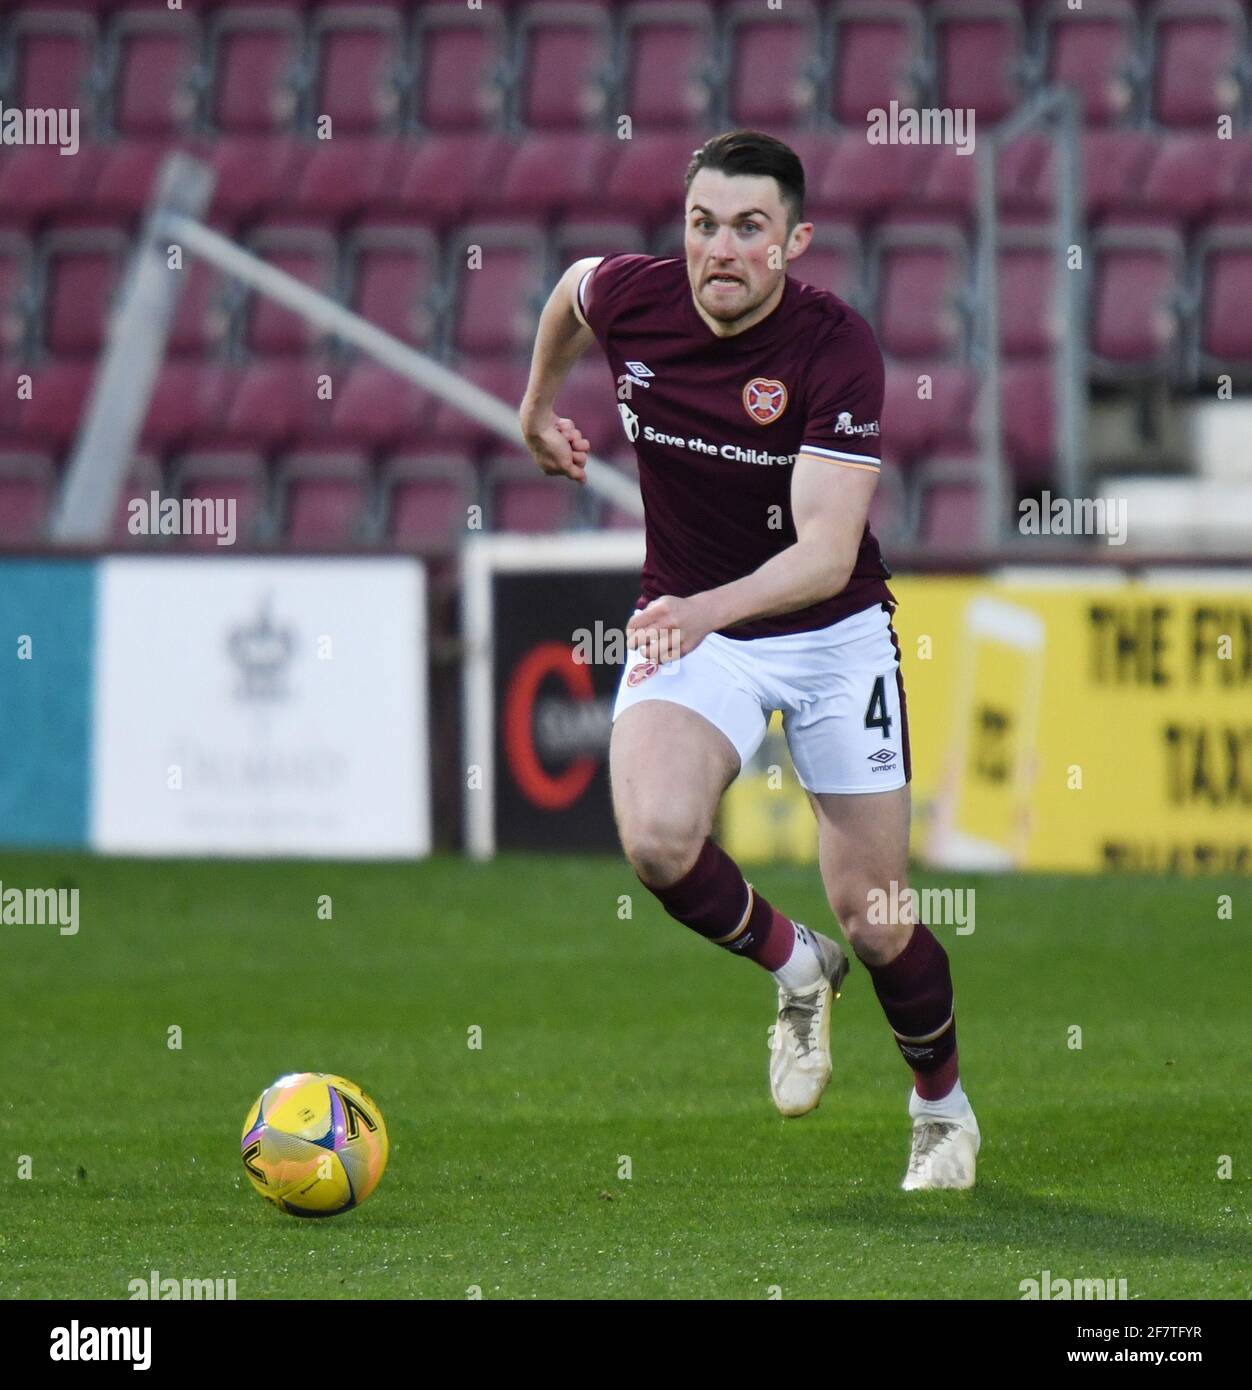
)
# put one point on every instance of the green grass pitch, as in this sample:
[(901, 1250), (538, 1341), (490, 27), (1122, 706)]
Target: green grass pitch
[(604, 1039)]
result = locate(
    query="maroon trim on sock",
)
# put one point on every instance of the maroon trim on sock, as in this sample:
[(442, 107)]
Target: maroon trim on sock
[(938, 1083), (711, 898), (915, 991)]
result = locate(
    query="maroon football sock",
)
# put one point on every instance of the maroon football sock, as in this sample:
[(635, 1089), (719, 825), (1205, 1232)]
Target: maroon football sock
[(713, 900), (915, 991)]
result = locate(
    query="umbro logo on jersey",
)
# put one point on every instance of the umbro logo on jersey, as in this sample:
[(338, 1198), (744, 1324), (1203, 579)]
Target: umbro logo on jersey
[(764, 399), (639, 371)]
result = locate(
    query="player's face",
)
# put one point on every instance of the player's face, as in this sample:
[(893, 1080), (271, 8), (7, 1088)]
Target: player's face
[(733, 221)]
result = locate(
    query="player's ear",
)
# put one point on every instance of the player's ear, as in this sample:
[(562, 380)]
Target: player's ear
[(798, 241)]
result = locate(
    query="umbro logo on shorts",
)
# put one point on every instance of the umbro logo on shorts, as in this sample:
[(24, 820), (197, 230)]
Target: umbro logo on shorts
[(640, 673), (882, 758)]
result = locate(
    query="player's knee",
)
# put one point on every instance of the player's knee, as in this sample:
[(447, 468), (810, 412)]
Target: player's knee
[(661, 848), (875, 936)]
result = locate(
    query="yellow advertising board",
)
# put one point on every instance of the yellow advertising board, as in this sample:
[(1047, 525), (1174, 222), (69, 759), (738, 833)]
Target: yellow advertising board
[(1086, 723)]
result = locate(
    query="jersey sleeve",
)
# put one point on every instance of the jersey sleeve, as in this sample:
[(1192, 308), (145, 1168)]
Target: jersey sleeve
[(604, 289), (845, 396)]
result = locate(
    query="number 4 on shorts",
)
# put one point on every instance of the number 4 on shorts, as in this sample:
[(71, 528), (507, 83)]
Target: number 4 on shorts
[(876, 716)]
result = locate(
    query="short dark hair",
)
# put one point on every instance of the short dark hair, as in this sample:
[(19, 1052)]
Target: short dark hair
[(753, 152)]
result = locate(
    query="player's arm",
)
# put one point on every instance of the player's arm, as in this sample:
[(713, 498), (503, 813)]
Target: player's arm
[(829, 504), (556, 443)]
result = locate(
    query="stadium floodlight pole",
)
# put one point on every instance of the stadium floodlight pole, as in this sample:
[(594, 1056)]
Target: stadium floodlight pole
[(331, 317), (128, 371)]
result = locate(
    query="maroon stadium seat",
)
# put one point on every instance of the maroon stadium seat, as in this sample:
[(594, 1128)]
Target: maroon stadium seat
[(645, 180), (978, 52), (1190, 178), (547, 173), (27, 483), (81, 271), (574, 240), (951, 506), (356, 63), (341, 177), (426, 497), (949, 180), (589, 398), (322, 496), (1028, 419), (16, 288), (52, 53), (308, 253), (152, 58), (927, 406), (439, 177), (773, 70), (921, 275), (37, 181), (520, 498), (201, 318), (189, 403), (1093, 50), (458, 63), (877, 49), (237, 475), (1196, 48), (275, 401), (1225, 332), (861, 180), (891, 507), (668, 52), (832, 262), (252, 172), (503, 377), (254, 54), (373, 405), (496, 306), (394, 280), (1028, 262), (1137, 278), (623, 459), (143, 478), (1114, 164), (564, 54), (126, 175), (59, 388)]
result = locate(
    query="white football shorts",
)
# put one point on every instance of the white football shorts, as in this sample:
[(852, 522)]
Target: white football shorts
[(839, 689)]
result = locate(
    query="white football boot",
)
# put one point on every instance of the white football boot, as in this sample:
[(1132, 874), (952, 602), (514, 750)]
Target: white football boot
[(944, 1149), (799, 1064)]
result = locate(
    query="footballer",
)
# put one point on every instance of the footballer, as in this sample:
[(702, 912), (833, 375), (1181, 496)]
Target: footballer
[(753, 402)]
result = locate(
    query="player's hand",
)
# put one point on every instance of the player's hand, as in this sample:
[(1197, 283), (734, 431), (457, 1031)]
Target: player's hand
[(668, 627), (557, 445)]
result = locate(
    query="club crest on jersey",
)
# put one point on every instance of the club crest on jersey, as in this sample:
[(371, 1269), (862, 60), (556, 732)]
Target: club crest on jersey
[(639, 674), (764, 400)]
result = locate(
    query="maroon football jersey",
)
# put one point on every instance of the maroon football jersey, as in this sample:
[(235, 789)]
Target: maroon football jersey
[(718, 422)]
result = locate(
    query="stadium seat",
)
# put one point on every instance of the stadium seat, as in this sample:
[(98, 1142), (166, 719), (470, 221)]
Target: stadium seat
[(547, 173), (27, 486), (439, 177), (150, 72), (979, 48), (774, 67), (189, 403), (37, 182), (573, 240), (52, 59), (1190, 178), (876, 49), (667, 65), (927, 407), (275, 401), (202, 316), (255, 53), (950, 503), (323, 496), (80, 268), (1028, 419), (1134, 325), (503, 377), (340, 178), (921, 279), (311, 255), (356, 68), (832, 262), (949, 180), (459, 61), (394, 282), (864, 181), (891, 507), (59, 388), (126, 173), (253, 172), (1225, 324), (645, 178), (496, 305), (564, 56), (1196, 51), (1028, 263), (520, 498), (1114, 164), (426, 497), (143, 478), (16, 289), (1093, 50), (375, 406), (623, 459), (589, 398), (237, 476)]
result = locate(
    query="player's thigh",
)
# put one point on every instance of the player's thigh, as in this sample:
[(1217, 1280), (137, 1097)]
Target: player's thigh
[(668, 765), (863, 848)]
